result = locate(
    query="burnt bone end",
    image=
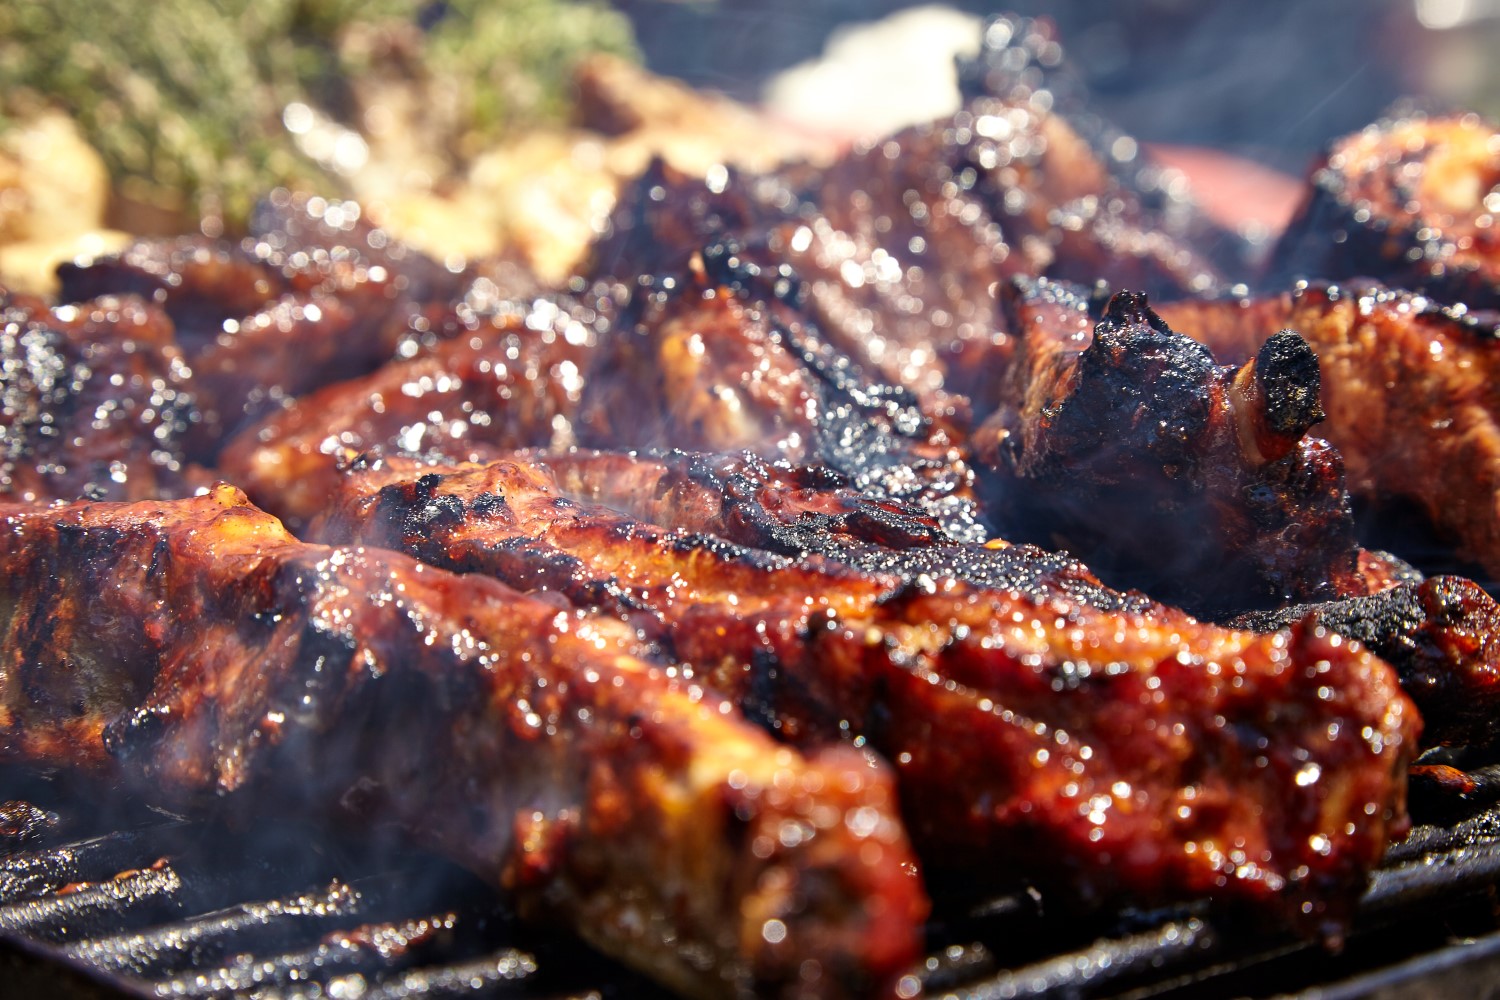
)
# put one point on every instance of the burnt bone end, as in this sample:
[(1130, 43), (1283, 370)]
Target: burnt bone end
[(1290, 383)]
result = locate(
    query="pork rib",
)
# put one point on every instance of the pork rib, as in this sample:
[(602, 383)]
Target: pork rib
[(1443, 636), (188, 648), (1125, 442), (504, 375), (1405, 200), (1411, 390), (95, 400), (1117, 754), (315, 293)]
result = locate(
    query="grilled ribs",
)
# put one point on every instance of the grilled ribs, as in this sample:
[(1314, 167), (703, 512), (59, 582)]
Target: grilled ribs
[(825, 344), (719, 362), (315, 293), (95, 400), (1439, 634), (488, 373), (1409, 388), (1125, 442), (1408, 201), (193, 648), (900, 244), (1109, 754), (1443, 637)]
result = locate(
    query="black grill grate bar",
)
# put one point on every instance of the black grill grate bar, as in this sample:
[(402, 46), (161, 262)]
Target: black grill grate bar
[(495, 974), (1424, 841), (369, 951), (31, 873), (212, 938), (1104, 961), (1445, 874), (1466, 968), (130, 899)]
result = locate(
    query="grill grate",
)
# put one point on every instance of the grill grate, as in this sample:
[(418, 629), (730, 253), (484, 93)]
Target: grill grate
[(181, 908)]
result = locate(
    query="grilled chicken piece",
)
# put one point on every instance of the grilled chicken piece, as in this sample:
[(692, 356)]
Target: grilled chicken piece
[(1108, 754), (312, 295), (487, 374), (1124, 442), (1410, 201), (1411, 390), (94, 400), (194, 648)]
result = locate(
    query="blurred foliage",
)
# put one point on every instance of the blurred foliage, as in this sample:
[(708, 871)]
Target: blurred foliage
[(184, 98)]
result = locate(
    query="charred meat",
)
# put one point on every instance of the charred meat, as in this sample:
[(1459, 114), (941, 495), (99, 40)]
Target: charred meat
[(902, 243), (1409, 390), (1125, 442), (1169, 757), (1408, 201), (1443, 637), (193, 648)]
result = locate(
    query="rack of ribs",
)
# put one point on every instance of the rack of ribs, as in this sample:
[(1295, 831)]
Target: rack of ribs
[(1162, 759), (193, 649), (716, 693)]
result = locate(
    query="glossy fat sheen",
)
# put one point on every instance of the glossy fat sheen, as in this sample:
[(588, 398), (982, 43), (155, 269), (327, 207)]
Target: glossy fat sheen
[(314, 294), (95, 400), (1106, 755), (1407, 201), (194, 647), (1411, 390), (506, 375)]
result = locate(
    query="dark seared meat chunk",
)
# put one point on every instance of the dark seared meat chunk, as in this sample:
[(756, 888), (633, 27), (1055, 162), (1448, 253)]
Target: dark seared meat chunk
[(1443, 637), (1127, 444), (1106, 755), (314, 294), (1410, 201), (664, 217), (1411, 390), (919, 231), (94, 401), (194, 649), (887, 325), (483, 376), (902, 243)]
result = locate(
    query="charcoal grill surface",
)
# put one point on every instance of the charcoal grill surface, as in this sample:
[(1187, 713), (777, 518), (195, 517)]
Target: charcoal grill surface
[(147, 904)]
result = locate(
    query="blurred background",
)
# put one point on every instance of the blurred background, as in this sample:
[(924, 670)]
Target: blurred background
[(506, 126), (1271, 80)]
